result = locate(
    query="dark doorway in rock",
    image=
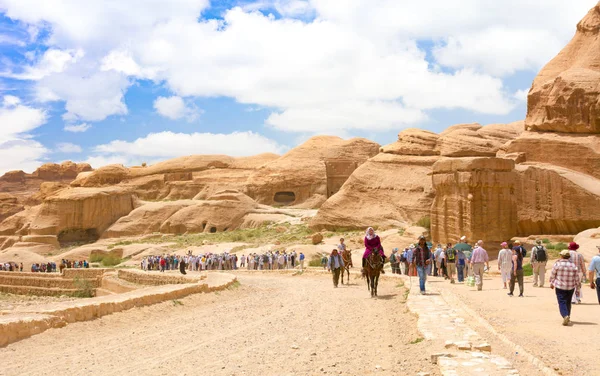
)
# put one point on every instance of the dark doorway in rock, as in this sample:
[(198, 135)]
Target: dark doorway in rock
[(284, 198), (78, 235), (213, 230)]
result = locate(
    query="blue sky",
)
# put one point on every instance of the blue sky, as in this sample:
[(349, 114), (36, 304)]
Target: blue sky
[(105, 82)]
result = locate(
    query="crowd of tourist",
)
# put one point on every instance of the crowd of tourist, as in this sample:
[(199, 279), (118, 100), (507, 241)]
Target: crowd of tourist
[(44, 267), (463, 260), (270, 260)]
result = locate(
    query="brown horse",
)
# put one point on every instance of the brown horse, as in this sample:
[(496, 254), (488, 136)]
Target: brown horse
[(373, 266), (347, 257)]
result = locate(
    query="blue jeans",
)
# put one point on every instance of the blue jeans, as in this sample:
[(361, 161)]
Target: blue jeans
[(422, 273), (564, 301), (598, 289), (460, 269)]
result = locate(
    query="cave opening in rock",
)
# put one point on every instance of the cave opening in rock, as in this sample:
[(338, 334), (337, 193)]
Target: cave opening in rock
[(284, 198), (78, 235), (213, 230)]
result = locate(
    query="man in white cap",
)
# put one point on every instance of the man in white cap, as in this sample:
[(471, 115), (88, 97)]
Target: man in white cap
[(539, 257), (595, 268)]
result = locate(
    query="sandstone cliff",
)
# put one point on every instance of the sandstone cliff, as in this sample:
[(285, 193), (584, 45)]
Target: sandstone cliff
[(564, 95)]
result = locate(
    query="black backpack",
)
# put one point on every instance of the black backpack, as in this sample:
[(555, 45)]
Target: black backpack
[(540, 254)]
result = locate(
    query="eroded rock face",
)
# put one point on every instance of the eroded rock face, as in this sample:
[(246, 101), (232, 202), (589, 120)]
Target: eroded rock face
[(574, 151), (474, 197), (146, 219), (554, 200), (414, 141), (81, 213), (565, 95), (388, 190), (474, 140), (301, 173), (9, 205)]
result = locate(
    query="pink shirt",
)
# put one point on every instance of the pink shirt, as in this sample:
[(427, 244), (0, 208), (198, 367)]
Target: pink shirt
[(479, 256)]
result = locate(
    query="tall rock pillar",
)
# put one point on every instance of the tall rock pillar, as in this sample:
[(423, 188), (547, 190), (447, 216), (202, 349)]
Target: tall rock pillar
[(474, 197)]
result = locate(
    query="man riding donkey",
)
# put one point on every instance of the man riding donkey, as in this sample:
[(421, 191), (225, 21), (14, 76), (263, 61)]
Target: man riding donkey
[(372, 244)]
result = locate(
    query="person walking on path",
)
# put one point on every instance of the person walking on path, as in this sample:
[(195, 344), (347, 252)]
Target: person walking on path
[(451, 256), (421, 259), (479, 258), (372, 244), (595, 267), (539, 257), (335, 265), (505, 263), (460, 265), (301, 258), (436, 258), (564, 279), (577, 260), (520, 248), (516, 273)]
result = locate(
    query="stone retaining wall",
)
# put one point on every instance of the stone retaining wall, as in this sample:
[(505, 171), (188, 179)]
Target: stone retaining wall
[(28, 274), (61, 283), (20, 325), (83, 273), (37, 291), (149, 278)]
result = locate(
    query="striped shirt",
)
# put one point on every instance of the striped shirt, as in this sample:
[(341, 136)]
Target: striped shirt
[(479, 256), (564, 275)]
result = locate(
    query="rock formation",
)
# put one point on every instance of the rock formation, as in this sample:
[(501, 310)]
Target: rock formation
[(301, 174), (474, 197), (395, 187), (564, 95)]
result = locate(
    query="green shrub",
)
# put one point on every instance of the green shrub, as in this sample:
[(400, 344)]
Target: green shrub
[(424, 222), (560, 246), (108, 259), (546, 241), (111, 260), (401, 231), (315, 261), (527, 270), (84, 288)]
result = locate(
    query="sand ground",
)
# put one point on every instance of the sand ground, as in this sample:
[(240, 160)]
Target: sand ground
[(534, 322), (269, 325)]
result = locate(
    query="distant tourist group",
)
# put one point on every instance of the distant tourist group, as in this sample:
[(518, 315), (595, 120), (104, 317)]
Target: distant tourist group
[(44, 267), (225, 261)]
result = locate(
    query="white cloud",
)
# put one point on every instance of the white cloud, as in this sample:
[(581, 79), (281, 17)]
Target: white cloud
[(521, 95), (18, 151), (79, 128), (11, 40), (168, 145), (88, 97), (17, 119), (375, 116), (499, 50), (360, 54), (67, 147), (52, 61), (122, 62), (175, 108), (21, 154)]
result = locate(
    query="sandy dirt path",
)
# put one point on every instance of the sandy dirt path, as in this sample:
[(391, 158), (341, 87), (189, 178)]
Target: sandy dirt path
[(535, 323), (269, 325)]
